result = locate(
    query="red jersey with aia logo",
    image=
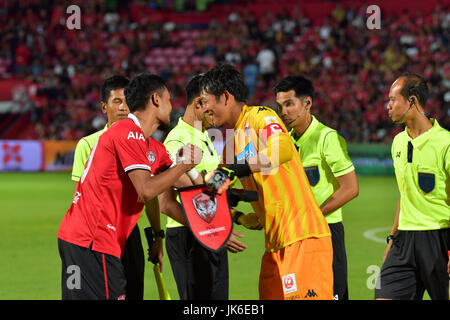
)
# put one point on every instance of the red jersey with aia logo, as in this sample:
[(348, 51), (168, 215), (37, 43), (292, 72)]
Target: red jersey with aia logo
[(105, 207)]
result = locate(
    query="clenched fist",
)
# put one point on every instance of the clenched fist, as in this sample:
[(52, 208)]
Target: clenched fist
[(189, 155)]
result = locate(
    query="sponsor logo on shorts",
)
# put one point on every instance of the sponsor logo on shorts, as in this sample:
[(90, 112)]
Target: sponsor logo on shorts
[(311, 294), (289, 283)]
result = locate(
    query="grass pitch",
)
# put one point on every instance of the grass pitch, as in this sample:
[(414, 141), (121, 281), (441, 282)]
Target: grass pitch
[(33, 205)]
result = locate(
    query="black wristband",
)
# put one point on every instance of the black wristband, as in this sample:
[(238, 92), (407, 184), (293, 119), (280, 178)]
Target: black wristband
[(240, 169), (160, 234), (236, 217), (389, 237)]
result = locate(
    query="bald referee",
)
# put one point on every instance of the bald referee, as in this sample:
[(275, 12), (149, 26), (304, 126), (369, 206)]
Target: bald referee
[(328, 167), (416, 257)]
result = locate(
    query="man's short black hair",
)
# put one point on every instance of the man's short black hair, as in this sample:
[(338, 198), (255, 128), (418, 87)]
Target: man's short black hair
[(112, 83), (415, 85), (141, 88), (193, 88), (302, 86), (224, 77)]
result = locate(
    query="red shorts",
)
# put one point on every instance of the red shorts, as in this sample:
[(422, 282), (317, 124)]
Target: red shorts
[(300, 271)]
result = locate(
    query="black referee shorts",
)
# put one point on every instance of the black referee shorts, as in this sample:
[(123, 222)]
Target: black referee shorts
[(417, 261), (90, 275), (200, 274), (340, 284)]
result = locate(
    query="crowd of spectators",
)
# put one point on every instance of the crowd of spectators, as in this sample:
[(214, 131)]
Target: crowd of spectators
[(351, 66)]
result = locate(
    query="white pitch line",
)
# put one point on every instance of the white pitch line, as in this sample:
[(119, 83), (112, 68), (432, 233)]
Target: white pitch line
[(371, 234)]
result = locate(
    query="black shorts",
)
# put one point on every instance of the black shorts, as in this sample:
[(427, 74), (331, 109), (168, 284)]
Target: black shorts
[(200, 274), (417, 261), (90, 275), (340, 284)]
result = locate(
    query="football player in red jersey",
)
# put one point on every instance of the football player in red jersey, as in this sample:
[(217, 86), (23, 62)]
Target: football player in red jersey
[(125, 169)]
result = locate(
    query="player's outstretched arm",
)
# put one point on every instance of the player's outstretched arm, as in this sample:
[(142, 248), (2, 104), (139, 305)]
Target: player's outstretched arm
[(148, 187), (171, 207)]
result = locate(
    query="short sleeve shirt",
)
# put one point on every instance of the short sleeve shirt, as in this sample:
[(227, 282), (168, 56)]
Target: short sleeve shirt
[(422, 170), (105, 207), (82, 151)]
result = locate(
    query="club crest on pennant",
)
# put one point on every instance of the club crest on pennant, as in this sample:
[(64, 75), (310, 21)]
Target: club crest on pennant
[(206, 206), (208, 215)]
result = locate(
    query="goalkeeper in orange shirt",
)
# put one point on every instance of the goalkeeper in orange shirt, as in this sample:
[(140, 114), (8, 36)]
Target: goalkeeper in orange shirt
[(297, 263)]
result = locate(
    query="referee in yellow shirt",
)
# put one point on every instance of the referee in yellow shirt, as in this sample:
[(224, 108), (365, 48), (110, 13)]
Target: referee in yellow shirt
[(416, 258), (327, 165), (198, 272)]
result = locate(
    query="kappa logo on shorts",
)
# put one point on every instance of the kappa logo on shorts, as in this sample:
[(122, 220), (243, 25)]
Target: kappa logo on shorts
[(311, 294), (289, 283)]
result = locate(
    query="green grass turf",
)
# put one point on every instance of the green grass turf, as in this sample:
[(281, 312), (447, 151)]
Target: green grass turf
[(33, 204)]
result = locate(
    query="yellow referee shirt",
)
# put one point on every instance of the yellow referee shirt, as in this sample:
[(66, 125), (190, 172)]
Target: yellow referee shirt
[(324, 156), (422, 169), (82, 152), (183, 134)]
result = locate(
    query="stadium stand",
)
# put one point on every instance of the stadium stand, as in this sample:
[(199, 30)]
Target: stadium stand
[(50, 75)]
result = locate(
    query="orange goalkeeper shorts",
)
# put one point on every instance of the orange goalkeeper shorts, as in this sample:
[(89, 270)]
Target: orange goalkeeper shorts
[(300, 271)]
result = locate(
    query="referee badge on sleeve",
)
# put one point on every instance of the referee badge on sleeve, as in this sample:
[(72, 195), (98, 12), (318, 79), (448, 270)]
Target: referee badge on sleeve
[(312, 173), (426, 181)]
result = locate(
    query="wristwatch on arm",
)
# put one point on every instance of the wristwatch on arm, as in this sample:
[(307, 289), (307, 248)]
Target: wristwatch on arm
[(389, 238), (160, 234)]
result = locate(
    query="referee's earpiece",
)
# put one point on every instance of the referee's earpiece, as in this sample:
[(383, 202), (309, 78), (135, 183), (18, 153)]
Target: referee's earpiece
[(411, 103)]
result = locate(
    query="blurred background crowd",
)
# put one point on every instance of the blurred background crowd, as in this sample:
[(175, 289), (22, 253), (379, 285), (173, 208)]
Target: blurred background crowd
[(351, 66)]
